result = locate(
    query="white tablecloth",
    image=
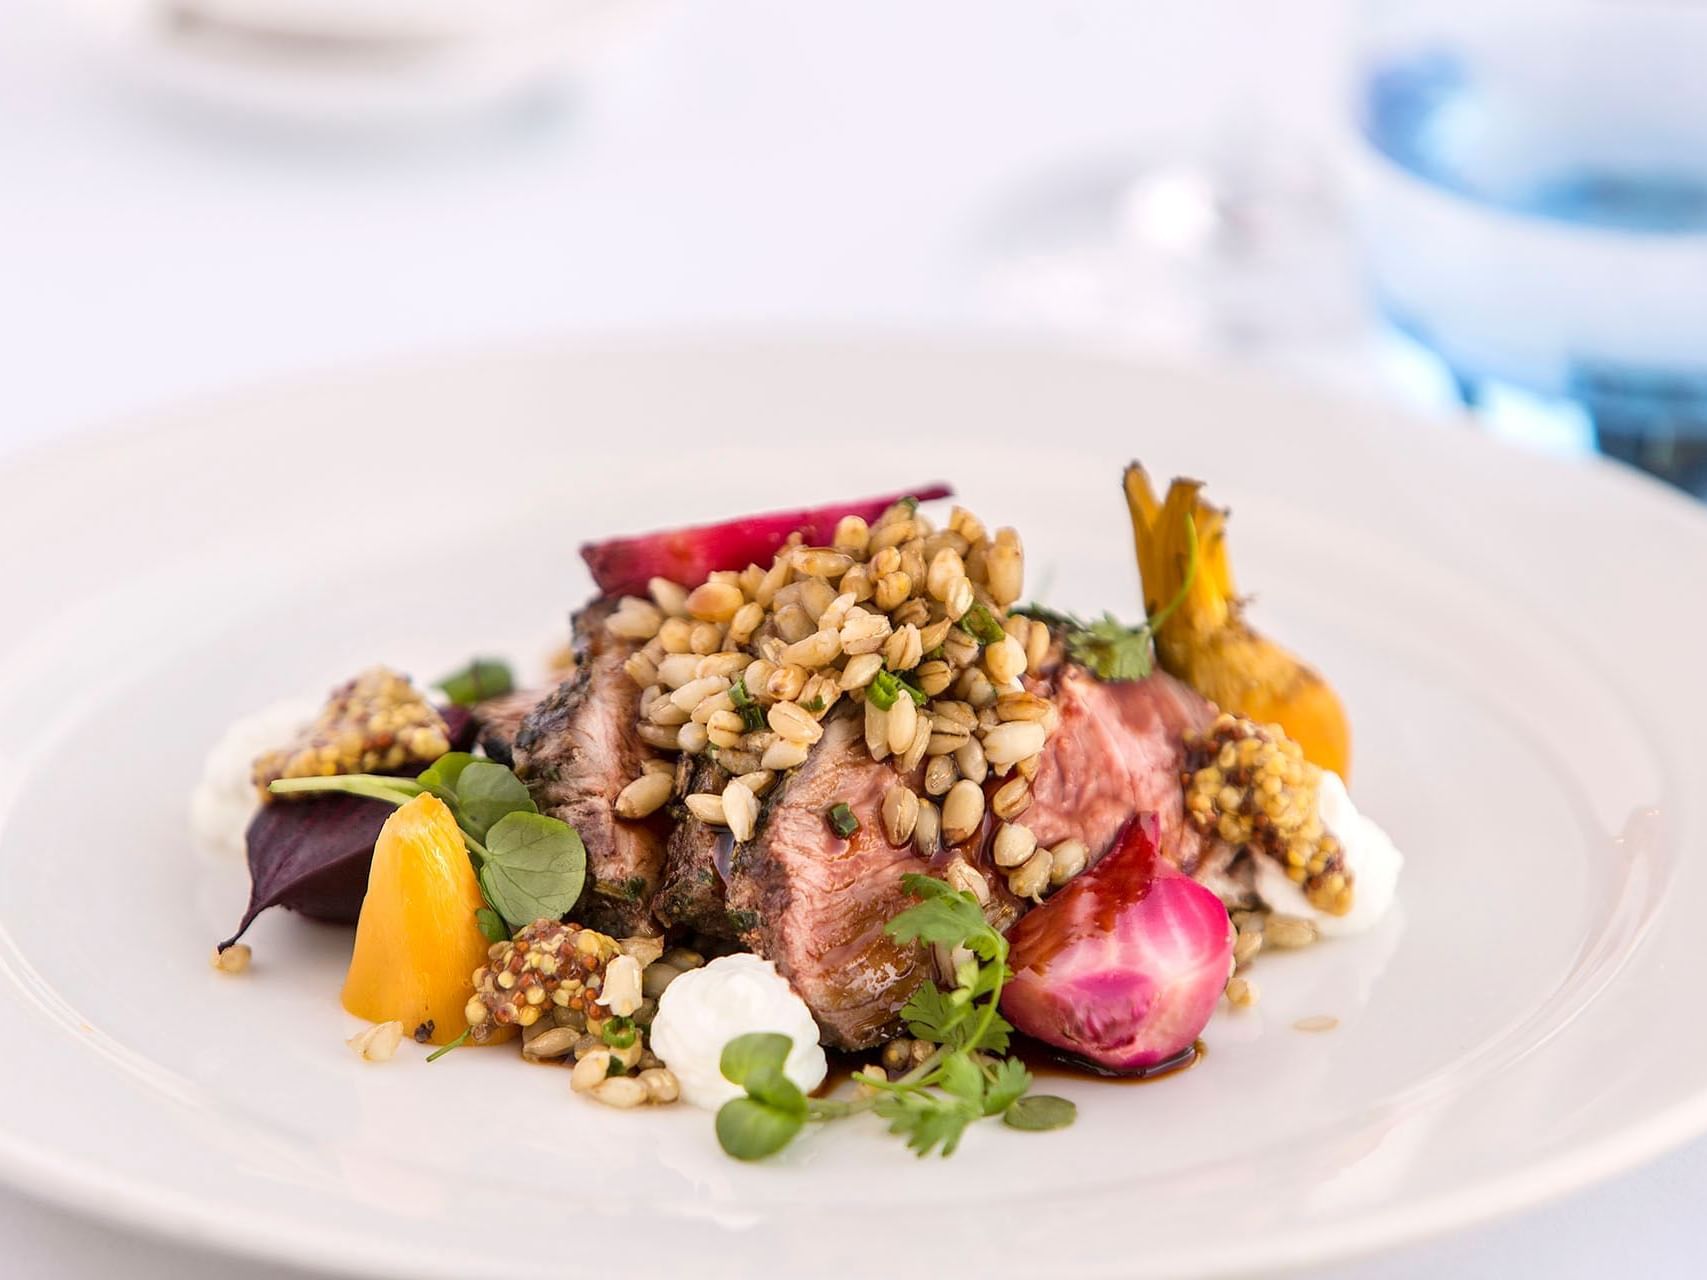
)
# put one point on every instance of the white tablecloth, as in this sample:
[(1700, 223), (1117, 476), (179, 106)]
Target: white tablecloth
[(759, 163)]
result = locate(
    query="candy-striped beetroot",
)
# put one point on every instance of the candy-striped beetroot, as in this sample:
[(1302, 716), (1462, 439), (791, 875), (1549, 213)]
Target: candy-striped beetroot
[(1123, 966)]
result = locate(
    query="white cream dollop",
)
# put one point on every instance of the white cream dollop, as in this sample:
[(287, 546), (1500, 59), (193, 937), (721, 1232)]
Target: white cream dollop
[(225, 798), (1370, 855), (706, 1008)]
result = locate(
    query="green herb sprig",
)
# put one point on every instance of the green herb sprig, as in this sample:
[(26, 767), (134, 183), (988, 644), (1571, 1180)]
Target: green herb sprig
[(481, 679), (529, 866), (964, 1079), (1109, 648)]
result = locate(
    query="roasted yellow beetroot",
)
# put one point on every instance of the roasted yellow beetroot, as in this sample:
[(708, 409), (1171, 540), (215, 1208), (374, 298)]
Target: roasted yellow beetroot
[(1206, 641), (417, 943)]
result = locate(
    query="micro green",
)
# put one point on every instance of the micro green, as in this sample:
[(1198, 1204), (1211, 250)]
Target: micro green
[(530, 866), (964, 1079), (1107, 647)]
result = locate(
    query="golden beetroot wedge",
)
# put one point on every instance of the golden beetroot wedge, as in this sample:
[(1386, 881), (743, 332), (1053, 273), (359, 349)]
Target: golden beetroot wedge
[(1206, 641), (417, 943)]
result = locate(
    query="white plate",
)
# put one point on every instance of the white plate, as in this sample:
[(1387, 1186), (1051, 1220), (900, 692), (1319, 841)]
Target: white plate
[(1518, 640)]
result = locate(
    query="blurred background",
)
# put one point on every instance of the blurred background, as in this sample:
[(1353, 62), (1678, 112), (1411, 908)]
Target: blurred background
[(1492, 213), (1442, 204)]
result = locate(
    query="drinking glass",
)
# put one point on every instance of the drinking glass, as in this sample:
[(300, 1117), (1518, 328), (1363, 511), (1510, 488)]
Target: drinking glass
[(1534, 209)]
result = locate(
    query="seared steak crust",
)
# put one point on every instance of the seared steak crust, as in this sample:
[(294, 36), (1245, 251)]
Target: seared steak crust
[(576, 750), (695, 863), (499, 719)]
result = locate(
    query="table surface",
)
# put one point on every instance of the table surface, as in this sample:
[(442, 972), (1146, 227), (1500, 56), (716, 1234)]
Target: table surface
[(772, 165)]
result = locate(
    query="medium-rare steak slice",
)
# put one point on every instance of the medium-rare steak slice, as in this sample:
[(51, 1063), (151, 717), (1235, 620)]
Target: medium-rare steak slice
[(576, 751), (815, 904), (695, 865), (1118, 751)]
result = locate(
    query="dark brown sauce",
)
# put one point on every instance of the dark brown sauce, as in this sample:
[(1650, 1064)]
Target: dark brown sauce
[(1044, 1060)]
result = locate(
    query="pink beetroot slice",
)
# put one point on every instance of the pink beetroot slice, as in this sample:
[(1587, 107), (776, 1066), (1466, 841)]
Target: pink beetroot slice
[(623, 566)]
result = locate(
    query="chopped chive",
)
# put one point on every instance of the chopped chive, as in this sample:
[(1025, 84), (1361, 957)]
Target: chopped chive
[(752, 714), (911, 690), (842, 820), (883, 690), (981, 624), (461, 1040), (816, 705), (618, 1033)]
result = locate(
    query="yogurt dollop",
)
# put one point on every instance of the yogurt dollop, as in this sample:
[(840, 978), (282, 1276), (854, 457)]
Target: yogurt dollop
[(706, 1008), (225, 798), (1370, 854)]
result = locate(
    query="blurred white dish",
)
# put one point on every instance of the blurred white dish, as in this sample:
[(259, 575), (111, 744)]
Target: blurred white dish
[(360, 62), (1521, 666)]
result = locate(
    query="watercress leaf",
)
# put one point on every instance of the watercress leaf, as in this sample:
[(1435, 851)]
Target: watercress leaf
[(767, 1084), (441, 776), (756, 1049), (534, 868), (481, 679), (491, 924), (1008, 1082), (487, 791), (959, 1076), (1039, 1111), (750, 1130)]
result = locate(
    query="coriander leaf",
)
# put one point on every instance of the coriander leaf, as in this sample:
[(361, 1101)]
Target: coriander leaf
[(487, 791), (534, 869), (945, 916), (492, 926), (1040, 1111), (1008, 1082), (750, 1052), (932, 1016), (481, 679), (959, 1076), (926, 1120), (750, 1130), (1112, 650), (993, 1037)]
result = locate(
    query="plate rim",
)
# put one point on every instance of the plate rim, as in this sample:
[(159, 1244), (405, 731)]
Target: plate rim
[(86, 1189)]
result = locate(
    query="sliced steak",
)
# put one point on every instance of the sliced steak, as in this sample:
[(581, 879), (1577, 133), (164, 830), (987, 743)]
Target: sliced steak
[(576, 750), (816, 904), (1118, 751), (696, 863), (498, 720)]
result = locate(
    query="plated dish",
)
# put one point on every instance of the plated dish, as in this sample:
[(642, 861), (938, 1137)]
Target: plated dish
[(819, 779), (1523, 738)]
